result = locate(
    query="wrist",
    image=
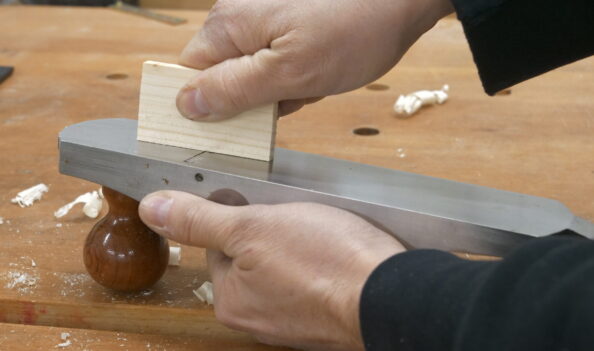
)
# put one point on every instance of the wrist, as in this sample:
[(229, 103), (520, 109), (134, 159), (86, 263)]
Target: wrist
[(364, 266)]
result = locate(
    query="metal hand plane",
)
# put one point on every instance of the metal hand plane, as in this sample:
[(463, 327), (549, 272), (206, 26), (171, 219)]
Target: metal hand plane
[(421, 211)]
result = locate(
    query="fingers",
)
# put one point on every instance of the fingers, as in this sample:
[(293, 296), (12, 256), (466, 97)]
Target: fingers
[(200, 53), (189, 219), (289, 106), (233, 86), (235, 51), (232, 29)]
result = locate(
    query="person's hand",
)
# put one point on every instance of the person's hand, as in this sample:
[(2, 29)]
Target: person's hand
[(289, 274), (255, 52)]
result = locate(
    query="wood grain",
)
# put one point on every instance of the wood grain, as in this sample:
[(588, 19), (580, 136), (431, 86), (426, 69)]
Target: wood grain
[(18, 337), (537, 140), (116, 317), (250, 134)]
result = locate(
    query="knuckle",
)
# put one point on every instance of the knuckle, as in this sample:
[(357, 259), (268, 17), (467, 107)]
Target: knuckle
[(297, 70), (197, 223), (228, 18), (234, 23), (254, 221), (221, 7), (246, 231), (237, 230)]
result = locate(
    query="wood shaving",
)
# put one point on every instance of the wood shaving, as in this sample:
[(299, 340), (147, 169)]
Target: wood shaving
[(409, 104), (64, 336), (174, 255), (204, 293), (28, 196), (93, 202), (64, 344)]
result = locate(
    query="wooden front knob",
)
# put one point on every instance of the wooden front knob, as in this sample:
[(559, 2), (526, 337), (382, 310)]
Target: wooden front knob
[(121, 252)]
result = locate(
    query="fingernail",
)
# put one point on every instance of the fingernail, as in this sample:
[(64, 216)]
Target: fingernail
[(154, 210), (191, 104)]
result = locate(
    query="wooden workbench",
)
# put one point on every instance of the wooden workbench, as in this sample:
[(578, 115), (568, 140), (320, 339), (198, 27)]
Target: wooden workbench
[(76, 64)]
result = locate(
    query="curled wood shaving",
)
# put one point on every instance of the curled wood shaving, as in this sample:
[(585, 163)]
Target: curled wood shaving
[(204, 293), (93, 202), (28, 196), (411, 103)]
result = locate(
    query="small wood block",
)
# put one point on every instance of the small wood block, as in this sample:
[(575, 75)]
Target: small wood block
[(249, 134)]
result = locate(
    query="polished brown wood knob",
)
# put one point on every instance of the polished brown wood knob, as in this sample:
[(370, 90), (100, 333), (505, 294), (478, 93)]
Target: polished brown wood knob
[(121, 252)]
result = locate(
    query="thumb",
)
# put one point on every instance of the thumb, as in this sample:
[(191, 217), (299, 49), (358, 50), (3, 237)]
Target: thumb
[(190, 219), (236, 85)]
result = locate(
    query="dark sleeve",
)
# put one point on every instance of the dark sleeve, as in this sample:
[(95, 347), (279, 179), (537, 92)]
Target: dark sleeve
[(540, 297), (514, 40)]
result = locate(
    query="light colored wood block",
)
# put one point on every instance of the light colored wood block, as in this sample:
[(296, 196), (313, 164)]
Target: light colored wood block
[(249, 134)]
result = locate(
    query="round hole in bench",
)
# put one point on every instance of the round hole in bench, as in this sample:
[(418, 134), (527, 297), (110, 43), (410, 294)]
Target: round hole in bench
[(377, 86), (116, 76), (504, 92), (366, 131)]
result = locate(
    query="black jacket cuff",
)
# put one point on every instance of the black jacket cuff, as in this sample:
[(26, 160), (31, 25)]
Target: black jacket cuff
[(514, 40), (399, 309)]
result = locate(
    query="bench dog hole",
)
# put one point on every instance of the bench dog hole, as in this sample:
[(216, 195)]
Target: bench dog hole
[(366, 131), (116, 76)]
